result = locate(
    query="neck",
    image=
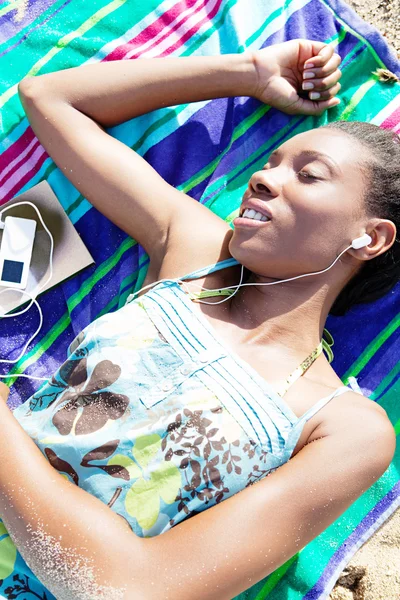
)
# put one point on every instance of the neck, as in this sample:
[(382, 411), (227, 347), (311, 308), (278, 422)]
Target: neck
[(290, 315)]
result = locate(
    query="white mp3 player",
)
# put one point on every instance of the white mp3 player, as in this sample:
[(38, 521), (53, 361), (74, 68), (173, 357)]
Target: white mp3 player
[(16, 252)]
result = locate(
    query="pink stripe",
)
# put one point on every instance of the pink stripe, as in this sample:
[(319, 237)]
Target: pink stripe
[(392, 121), (170, 31), (161, 23), (151, 30), (17, 165), (17, 147), (25, 178), (194, 29)]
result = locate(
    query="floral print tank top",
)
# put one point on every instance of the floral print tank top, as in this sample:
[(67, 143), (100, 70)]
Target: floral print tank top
[(154, 416)]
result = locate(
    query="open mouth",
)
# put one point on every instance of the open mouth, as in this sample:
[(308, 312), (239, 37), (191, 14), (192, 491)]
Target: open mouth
[(250, 213)]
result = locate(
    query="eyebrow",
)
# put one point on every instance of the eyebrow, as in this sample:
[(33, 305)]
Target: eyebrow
[(330, 163)]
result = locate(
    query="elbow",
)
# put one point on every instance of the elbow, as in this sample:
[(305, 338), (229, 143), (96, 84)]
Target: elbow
[(27, 88), (30, 89)]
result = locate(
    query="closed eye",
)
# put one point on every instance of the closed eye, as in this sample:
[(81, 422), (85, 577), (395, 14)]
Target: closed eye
[(306, 175)]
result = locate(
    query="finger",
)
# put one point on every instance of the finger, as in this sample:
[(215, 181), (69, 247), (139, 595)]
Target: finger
[(320, 85), (330, 93), (320, 59), (308, 107), (330, 67)]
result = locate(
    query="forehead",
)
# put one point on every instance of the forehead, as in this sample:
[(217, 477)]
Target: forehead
[(345, 151)]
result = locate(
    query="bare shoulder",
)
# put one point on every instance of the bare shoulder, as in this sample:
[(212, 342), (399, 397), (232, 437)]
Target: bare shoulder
[(364, 421)]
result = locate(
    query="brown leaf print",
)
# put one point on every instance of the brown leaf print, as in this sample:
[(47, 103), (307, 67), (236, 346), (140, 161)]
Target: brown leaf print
[(101, 453), (61, 465), (95, 406), (196, 439)]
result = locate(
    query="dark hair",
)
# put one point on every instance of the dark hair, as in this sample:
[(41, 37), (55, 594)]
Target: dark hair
[(382, 199)]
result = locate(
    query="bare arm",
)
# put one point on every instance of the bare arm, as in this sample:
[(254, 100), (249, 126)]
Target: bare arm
[(79, 548), (68, 111)]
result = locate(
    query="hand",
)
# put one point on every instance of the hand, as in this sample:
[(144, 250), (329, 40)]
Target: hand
[(284, 69), (4, 391)]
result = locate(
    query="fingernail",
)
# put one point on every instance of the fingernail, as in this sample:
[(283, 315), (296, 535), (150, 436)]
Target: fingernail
[(309, 66), (314, 95), (308, 75), (307, 85)]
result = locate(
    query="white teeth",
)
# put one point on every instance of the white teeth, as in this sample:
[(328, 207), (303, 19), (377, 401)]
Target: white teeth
[(250, 213)]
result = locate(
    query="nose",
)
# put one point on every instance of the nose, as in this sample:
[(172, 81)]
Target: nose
[(263, 182)]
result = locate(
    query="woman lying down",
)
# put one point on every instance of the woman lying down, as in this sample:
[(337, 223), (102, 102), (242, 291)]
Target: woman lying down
[(173, 404)]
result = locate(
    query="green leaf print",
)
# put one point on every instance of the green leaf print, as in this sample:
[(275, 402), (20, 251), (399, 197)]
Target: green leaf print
[(146, 448), (8, 553), (124, 461), (143, 499)]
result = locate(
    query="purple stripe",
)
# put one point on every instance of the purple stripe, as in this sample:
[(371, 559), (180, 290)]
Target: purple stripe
[(255, 160), (385, 359), (207, 133), (10, 27), (54, 303), (389, 387), (25, 36), (384, 51), (358, 335), (350, 546)]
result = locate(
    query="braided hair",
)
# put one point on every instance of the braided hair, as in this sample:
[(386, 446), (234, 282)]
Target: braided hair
[(382, 199)]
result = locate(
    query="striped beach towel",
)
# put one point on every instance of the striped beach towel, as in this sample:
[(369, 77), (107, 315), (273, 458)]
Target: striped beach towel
[(212, 147)]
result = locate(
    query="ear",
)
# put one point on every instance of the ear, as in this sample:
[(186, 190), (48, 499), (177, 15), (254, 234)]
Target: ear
[(383, 234)]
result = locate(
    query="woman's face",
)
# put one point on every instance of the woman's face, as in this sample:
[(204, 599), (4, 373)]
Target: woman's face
[(312, 188)]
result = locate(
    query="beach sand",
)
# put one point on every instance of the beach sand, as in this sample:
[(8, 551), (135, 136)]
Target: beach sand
[(374, 571)]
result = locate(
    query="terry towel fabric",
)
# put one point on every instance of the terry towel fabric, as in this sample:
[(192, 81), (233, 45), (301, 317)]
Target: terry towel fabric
[(213, 147)]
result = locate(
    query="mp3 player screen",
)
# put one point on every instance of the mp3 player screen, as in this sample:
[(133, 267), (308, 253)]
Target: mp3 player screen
[(12, 271)]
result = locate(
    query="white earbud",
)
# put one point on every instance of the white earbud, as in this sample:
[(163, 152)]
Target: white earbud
[(361, 242)]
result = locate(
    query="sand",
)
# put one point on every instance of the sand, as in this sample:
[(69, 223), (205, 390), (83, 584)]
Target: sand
[(374, 571)]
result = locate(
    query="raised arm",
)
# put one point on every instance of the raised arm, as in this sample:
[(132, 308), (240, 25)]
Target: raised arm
[(70, 109), (79, 548)]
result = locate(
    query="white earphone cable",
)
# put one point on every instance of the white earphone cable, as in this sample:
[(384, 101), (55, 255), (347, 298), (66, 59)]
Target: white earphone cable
[(268, 283), (131, 297), (32, 298)]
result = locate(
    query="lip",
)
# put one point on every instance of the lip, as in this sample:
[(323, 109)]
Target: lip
[(244, 222), (255, 205)]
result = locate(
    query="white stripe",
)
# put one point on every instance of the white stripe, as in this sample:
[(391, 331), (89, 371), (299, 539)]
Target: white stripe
[(23, 169), (386, 111), (172, 36), (132, 32), (18, 158)]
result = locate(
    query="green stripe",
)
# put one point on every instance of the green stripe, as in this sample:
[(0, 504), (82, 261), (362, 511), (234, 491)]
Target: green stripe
[(166, 118), (240, 130), (22, 32), (357, 97), (372, 348), (72, 302), (45, 62), (385, 383), (337, 38), (277, 13), (214, 25), (275, 577), (356, 34)]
